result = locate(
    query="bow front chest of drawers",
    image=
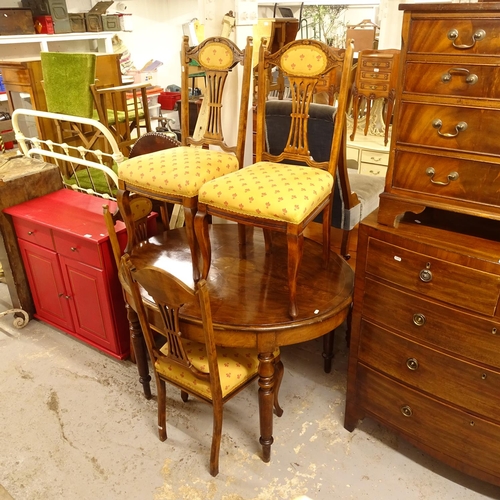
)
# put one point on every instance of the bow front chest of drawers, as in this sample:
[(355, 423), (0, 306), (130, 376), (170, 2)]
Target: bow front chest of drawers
[(444, 150), (70, 267)]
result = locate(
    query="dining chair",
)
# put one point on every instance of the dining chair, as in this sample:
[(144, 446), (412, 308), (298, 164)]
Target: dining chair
[(175, 175), (124, 111), (208, 372), (276, 193)]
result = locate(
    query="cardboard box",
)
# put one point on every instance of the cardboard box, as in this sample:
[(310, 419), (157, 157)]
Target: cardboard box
[(16, 22)]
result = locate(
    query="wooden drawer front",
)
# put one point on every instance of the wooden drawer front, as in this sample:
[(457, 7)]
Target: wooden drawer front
[(374, 86), (416, 127), (450, 431), (372, 169), (431, 36), (371, 76), (451, 79), (375, 157), (381, 64), (451, 283), (445, 377), (456, 332), (34, 232), (80, 249), (16, 76), (413, 174)]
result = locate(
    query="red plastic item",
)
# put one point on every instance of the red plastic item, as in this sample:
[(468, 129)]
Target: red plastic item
[(167, 100), (44, 25)]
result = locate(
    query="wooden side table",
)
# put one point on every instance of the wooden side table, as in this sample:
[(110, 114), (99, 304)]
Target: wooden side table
[(376, 77)]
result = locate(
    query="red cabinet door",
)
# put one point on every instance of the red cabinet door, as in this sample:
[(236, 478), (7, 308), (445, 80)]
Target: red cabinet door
[(47, 285), (90, 303)]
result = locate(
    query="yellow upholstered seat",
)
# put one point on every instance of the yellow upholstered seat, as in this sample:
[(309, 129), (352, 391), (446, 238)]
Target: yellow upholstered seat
[(286, 189), (177, 171), (270, 190)]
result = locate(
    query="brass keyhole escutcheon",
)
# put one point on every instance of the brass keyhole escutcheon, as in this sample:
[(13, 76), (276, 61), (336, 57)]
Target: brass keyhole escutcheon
[(412, 364), (406, 411)]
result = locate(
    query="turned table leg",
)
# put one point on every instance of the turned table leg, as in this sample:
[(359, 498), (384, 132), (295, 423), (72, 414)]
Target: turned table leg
[(266, 403)]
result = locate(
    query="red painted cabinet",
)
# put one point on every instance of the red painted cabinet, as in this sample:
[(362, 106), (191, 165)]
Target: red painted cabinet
[(70, 268)]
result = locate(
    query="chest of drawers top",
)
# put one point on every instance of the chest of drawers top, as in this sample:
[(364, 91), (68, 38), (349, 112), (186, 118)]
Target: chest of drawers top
[(444, 152)]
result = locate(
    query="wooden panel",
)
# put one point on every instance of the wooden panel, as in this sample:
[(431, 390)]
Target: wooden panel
[(456, 332), (431, 35), (415, 126), (450, 79), (464, 384), (414, 177), (472, 289), (453, 434)]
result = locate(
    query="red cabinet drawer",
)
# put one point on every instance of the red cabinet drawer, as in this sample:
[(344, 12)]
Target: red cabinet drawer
[(34, 232), (79, 249)]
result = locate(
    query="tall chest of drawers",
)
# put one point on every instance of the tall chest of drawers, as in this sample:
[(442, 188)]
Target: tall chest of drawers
[(425, 338), (444, 150)]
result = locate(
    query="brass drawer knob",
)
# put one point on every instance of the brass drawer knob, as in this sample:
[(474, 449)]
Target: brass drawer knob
[(425, 275), (406, 411), (412, 364), (419, 319), (476, 37)]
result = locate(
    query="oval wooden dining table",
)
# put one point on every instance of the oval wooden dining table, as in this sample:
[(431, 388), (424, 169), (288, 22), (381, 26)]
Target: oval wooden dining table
[(249, 299)]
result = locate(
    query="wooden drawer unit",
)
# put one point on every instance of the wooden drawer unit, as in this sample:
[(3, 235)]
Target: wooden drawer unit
[(71, 270), (448, 97), (425, 337)]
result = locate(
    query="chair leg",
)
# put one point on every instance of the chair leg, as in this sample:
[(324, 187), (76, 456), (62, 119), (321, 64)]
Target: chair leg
[(355, 112), (184, 396), (278, 377), (203, 238), (268, 240), (328, 351), (162, 410), (189, 215), (216, 438), (368, 112), (295, 248), (344, 246), (327, 216)]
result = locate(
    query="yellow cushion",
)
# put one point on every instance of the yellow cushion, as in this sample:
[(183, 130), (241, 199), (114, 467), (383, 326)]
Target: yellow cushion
[(236, 366), (216, 56), (269, 190), (304, 60), (178, 171)]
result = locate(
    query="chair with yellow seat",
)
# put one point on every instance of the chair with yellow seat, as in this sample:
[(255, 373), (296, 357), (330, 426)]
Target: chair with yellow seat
[(284, 192), (176, 175), (210, 373)]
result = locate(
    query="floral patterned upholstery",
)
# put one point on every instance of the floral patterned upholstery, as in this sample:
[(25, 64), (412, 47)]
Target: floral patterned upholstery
[(304, 60), (178, 171), (253, 191), (216, 55), (236, 366)]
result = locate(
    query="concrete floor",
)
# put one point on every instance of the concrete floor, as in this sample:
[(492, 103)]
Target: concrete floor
[(75, 425)]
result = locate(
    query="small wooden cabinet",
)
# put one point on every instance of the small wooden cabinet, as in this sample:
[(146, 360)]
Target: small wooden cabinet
[(70, 268), (425, 339)]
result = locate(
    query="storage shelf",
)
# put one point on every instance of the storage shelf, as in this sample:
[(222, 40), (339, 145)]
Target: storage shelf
[(44, 40)]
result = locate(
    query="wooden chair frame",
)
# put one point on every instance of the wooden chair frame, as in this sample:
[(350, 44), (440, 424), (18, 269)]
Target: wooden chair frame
[(296, 150)]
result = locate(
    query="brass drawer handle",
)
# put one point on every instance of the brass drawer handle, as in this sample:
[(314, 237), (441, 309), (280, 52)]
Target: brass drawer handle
[(74, 249), (30, 233), (375, 173), (459, 127), (375, 159), (419, 319), (476, 37), (406, 411), (471, 79), (412, 364), (452, 176)]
